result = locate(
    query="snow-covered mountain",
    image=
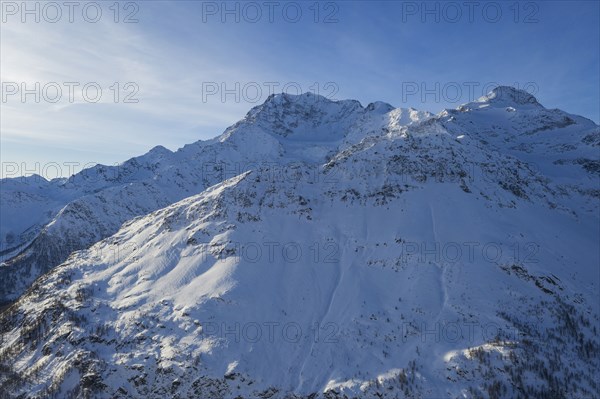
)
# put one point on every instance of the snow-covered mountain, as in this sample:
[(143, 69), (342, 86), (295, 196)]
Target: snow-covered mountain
[(42, 222), (320, 249)]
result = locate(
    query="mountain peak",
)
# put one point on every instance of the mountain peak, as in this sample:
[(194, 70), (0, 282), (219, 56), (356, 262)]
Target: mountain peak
[(308, 114), (304, 99), (380, 107), (508, 95), (283, 97), (159, 149)]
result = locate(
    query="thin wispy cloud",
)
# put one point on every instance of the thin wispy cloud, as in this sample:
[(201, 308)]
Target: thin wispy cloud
[(167, 79)]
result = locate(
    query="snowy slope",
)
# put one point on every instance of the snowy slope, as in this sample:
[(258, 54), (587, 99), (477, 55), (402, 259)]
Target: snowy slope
[(564, 148), (43, 222), (393, 259)]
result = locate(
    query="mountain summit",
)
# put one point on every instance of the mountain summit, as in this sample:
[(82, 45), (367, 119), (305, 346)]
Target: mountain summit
[(508, 95)]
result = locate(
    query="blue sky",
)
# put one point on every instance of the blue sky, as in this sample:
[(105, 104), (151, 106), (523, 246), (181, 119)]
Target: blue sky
[(179, 56)]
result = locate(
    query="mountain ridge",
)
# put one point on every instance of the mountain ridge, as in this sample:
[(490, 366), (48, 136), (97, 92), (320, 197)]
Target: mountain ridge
[(263, 136), (404, 256)]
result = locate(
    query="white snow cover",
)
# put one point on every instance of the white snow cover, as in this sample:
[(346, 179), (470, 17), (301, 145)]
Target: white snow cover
[(396, 254)]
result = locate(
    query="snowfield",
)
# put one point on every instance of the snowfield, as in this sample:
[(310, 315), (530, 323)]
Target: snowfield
[(317, 249)]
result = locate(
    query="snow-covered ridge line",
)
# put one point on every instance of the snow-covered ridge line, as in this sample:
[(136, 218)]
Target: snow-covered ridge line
[(43, 222), (332, 230), (179, 314)]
